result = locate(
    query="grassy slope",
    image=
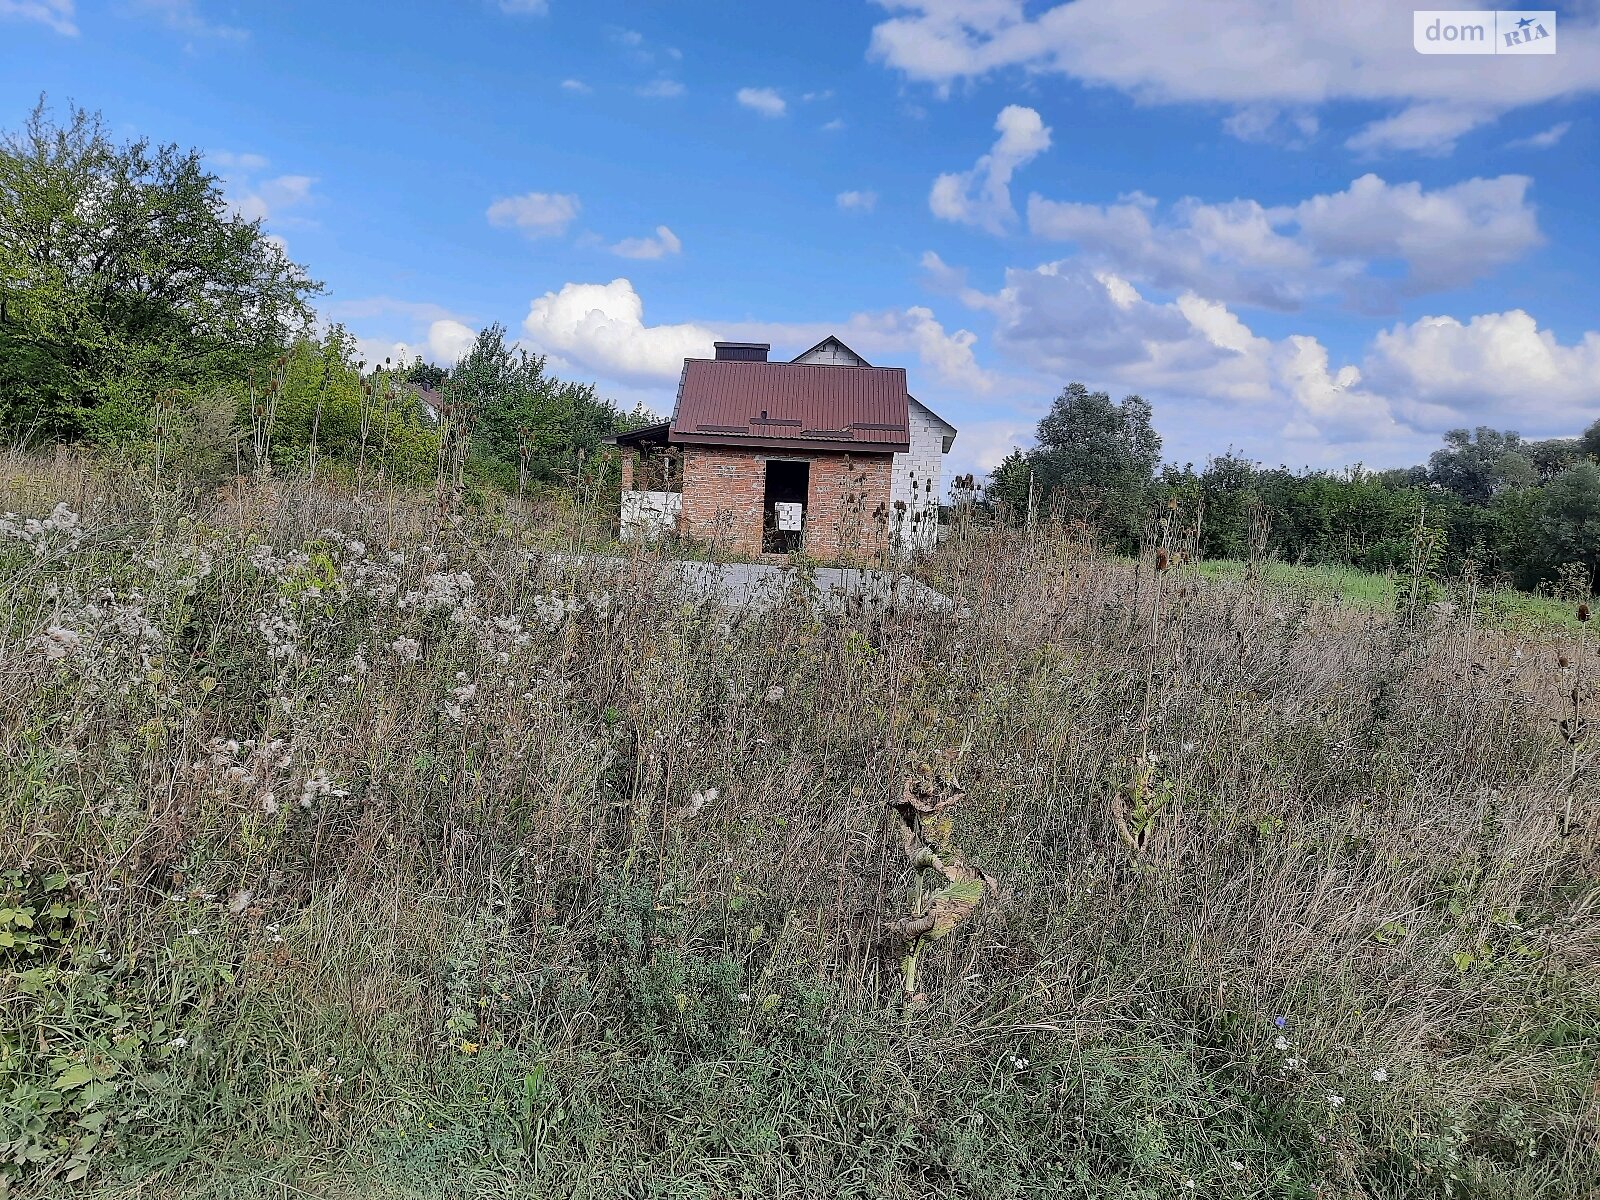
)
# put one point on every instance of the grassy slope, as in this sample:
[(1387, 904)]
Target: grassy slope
[(496, 953)]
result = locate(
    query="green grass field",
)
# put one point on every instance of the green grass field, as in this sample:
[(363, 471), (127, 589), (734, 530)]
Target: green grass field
[(1503, 609)]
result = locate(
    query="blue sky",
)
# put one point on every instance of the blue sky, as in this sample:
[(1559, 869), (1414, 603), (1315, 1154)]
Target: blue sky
[(1291, 232)]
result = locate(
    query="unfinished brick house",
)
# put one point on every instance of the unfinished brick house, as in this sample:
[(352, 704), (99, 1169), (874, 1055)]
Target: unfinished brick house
[(826, 454)]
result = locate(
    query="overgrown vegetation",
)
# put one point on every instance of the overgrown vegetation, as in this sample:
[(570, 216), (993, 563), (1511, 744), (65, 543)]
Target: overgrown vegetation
[(353, 852), (141, 314), (1502, 509)]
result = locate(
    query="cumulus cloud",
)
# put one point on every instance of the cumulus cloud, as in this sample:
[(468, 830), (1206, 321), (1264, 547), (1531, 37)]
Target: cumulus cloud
[(1252, 53), (404, 329), (1346, 243), (1068, 320), (982, 196), (600, 327), (527, 8), (1496, 367), (576, 86), (857, 201), (663, 244), (537, 214), (59, 15), (763, 100)]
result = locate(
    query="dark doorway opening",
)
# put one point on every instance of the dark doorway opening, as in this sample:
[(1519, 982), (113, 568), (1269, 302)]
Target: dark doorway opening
[(788, 484)]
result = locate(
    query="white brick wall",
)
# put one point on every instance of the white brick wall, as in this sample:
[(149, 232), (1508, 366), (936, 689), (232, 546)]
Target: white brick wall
[(648, 516), (913, 472)]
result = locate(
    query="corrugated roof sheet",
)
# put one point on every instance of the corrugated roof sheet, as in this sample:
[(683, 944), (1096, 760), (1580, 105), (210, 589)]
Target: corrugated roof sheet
[(792, 404)]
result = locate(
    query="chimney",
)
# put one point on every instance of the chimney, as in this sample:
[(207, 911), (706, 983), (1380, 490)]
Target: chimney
[(742, 351)]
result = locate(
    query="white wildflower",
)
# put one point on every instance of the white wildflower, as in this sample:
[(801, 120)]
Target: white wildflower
[(1380, 1076), (406, 649), (1335, 1100), (58, 641)]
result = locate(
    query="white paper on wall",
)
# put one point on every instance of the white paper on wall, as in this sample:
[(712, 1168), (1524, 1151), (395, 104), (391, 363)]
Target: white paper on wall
[(788, 515)]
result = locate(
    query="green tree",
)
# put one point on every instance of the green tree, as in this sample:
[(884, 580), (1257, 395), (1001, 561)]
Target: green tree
[(1475, 465), (425, 374), (1569, 526), (1589, 443), (1096, 459), (124, 276), (528, 427)]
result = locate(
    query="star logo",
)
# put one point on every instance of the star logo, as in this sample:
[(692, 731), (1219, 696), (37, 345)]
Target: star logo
[(1524, 23)]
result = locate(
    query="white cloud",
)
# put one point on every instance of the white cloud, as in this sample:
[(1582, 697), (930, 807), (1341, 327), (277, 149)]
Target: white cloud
[(229, 161), (576, 86), (1210, 373), (1340, 243), (449, 341), (1250, 52), (857, 201), (662, 89), (600, 328), (537, 214), (399, 330), (884, 337), (940, 276), (1542, 140), (531, 8), (1446, 237), (763, 100), (982, 196), (833, 126), (662, 245), (1430, 128), (59, 15), (1273, 125), (1498, 368), (258, 199), (184, 16)]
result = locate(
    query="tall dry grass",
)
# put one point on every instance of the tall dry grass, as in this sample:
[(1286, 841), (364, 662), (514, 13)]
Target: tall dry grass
[(394, 857)]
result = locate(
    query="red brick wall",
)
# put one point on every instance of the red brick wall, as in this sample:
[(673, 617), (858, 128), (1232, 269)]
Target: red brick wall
[(845, 508)]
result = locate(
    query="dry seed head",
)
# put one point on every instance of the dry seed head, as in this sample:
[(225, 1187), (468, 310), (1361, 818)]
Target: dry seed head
[(1583, 612), (1161, 560)]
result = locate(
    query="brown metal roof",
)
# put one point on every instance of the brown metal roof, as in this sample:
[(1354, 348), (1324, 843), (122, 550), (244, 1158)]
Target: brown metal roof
[(792, 405)]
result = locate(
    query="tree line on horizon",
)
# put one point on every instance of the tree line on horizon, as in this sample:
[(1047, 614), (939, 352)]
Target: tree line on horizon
[(1518, 511), (139, 313)]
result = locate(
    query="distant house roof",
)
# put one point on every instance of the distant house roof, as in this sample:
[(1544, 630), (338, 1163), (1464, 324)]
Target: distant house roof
[(432, 401), (792, 406)]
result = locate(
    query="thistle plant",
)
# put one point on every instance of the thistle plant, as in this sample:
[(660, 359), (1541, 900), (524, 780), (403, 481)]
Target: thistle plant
[(920, 820)]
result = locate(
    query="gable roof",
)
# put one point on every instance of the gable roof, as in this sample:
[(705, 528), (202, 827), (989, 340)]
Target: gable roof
[(837, 345), (792, 406), (838, 354)]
